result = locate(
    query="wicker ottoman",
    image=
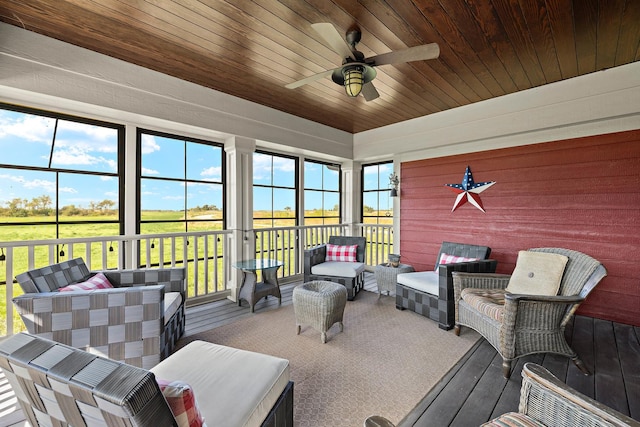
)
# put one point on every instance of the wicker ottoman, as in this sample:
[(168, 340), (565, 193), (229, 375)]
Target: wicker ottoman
[(319, 304)]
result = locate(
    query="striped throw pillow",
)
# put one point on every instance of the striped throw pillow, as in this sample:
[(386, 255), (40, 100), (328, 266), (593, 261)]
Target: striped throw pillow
[(99, 281), (452, 259)]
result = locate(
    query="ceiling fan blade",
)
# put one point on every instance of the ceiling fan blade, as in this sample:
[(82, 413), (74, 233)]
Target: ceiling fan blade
[(369, 92), (334, 39), (416, 53), (309, 79)]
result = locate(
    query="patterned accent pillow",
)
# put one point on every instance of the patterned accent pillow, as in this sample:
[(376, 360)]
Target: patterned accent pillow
[(182, 401), (341, 253), (452, 259), (99, 281)]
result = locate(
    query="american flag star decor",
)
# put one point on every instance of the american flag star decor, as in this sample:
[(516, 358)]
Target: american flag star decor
[(469, 191)]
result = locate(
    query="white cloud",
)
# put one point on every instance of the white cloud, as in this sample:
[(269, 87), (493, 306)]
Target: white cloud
[(27, 127), (147, 171), (214, 172), (173, 198), (149, 144)]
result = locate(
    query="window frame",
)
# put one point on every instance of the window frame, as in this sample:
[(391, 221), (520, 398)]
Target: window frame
[(323, 191), (296, 218), (119, 174), (377, 190), (139, 177)]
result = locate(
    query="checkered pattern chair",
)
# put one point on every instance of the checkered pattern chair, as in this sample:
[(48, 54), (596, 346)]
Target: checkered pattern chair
[(317, 255), (138, 321)]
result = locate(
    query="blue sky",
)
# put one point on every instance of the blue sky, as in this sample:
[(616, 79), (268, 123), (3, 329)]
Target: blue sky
[(25, 139)]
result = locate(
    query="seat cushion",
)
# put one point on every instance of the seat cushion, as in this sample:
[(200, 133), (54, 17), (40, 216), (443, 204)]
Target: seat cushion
[(489, 302), (234, 388), (513, 419), (172, 302), (423, 281), (338, 269)]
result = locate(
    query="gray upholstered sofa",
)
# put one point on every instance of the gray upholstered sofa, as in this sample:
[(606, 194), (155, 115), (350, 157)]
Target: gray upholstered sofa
[(62, 386), (138, 321), (430, 293), (349, 274)]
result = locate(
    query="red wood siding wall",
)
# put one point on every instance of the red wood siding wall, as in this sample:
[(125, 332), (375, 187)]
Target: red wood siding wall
[(581, 194)]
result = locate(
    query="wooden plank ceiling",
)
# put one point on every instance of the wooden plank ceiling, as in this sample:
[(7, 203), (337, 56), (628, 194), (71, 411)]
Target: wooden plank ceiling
[(251, 49)]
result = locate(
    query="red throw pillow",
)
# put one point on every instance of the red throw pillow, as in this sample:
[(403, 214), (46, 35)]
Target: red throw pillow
[(99, 281), (341, 253), (182, 401), (452, 259)]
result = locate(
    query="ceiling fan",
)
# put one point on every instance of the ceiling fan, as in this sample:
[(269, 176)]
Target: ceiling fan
[(356, 72)]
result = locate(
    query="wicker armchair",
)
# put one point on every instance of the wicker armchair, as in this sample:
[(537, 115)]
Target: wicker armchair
[(516, 324), (138, 321), (314, 259)]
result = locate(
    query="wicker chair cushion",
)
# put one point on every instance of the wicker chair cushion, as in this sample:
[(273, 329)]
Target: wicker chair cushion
[(489, 302), (337, 268), (537, 273), (346, 253), (513, 419), (424, 281), (182, 401)]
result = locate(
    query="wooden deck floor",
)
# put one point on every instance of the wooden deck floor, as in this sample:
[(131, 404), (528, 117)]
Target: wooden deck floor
[(474, 391)]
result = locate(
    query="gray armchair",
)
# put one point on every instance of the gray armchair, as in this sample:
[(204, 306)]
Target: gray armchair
[(430, 293), (517, 324), (349, 274), (138, 321)]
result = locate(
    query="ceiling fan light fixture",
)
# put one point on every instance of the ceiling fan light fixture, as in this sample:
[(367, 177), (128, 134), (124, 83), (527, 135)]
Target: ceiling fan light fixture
[(353, 80)]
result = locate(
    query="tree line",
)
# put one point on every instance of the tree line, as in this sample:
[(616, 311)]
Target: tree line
[(43, 206)]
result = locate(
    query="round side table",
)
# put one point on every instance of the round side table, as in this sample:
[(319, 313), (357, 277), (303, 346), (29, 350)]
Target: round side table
[(386, 276)]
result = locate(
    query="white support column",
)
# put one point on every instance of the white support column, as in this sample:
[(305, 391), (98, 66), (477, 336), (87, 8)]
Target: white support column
[(351, 201), (239, 203), (130, 191)]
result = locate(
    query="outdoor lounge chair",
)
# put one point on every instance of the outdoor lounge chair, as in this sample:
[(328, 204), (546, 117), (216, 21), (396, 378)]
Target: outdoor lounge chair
[(138, 321), (518, 324), (349, 274), (430, 293)]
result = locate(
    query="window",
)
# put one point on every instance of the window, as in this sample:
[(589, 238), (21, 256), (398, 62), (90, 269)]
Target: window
[(60, 176), (377, 205), (181, 185), (321, 193), (274, 190)]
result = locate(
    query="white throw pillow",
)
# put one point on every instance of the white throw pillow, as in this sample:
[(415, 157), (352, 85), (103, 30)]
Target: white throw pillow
[(537, 273)]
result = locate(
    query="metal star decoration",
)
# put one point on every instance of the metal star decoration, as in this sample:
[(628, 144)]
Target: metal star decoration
[(469, 191)]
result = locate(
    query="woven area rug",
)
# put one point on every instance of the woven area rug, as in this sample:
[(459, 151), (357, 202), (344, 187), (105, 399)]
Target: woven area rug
[(384, 362)]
